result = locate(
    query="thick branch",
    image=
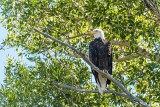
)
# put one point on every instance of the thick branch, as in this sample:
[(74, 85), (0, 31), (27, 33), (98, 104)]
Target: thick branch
[(107, 75), (88, 91)]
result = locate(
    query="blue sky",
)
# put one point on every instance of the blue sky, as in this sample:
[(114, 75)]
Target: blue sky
[(4, 53), (8, 52)]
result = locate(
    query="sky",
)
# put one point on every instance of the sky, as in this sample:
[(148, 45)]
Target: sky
[(8, 52), (4, 53)]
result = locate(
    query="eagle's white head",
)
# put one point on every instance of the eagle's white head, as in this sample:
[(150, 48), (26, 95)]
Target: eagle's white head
[(98, 33)]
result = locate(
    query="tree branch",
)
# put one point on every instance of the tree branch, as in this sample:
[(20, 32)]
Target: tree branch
[(80, 35), (71, 54), (120, 43), (141, 52), (81, 9), (153, 8), (107, 75), (114, 42), (145, 53), (129, 57), (88, 91)]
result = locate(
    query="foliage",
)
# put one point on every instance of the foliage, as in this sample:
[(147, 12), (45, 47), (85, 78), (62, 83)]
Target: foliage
[(121, 20)]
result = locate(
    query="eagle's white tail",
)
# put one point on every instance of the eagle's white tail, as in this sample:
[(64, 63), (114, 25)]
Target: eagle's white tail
[(99, 89), (102, 84)]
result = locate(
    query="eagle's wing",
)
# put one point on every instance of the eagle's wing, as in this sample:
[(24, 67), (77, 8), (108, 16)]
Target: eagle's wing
[(109, 55), (93, 57)]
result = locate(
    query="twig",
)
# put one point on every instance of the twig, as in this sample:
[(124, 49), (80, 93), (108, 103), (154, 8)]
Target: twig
[(80, 35), (81, 9), (129, 57), (145, 53), (120, 43), (107, 75)]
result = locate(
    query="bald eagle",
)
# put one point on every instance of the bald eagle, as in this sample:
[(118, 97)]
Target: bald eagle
[(100, 54)]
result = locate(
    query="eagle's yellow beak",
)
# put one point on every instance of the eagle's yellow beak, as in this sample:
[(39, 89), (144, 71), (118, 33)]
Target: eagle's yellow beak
[(92, 32)]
